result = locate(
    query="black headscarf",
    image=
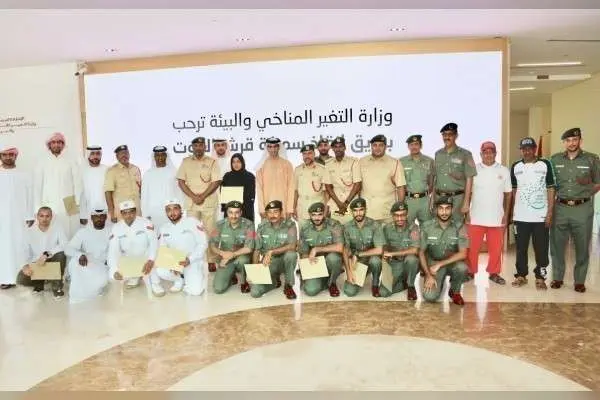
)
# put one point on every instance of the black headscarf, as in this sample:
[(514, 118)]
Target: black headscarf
[(245, 179)]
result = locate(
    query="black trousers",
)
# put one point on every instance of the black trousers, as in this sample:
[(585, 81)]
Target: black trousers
[(540, 235), (58, 257)]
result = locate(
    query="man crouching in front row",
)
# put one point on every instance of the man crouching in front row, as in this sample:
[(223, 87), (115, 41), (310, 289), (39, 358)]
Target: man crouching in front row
[(444, 244)]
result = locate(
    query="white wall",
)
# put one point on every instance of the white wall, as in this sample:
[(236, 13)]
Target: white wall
[(46, 100)]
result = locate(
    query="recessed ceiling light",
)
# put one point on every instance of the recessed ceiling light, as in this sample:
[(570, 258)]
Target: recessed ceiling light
[(521, 89), (550, 64), (398, 29), (111, 50), (242, 39)]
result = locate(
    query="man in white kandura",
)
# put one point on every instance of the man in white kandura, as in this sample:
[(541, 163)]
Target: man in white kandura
[(16, 212), (57, 177), (87, 265), (185, 234), (159, 185), (132, 236), (92, 183), (222, 153)]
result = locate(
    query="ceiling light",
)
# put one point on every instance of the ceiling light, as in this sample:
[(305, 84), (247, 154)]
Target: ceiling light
[(398, 29), (547, 77), (550, 64), (521, 89), (111, 50), (242, 39)]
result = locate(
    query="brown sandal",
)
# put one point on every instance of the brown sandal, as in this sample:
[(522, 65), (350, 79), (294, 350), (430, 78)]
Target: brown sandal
[(540, 284), (519, 281)]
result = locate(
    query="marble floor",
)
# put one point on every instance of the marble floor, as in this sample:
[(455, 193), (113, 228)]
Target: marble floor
[(504, 338)]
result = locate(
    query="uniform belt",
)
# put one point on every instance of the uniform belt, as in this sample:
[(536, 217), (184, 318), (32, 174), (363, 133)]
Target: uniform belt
[(574, 202), (455, 193), (415, 195)]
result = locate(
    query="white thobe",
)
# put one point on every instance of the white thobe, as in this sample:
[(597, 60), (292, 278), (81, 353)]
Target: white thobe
[(88, 282), (92, 190), (54, 179), (15, 209), (158, 186), (224, 166), (188, 237), (37, 241), (135, 240)]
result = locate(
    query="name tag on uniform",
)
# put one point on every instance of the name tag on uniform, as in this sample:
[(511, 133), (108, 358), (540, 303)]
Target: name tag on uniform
[(457, 161), (224, 235), (583, 167), (407, 168), (282, 236), (166, 234), (265, 236), (432, 237), (559, 166)]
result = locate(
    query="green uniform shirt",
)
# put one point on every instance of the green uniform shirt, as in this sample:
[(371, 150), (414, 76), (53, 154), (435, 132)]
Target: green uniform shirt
[(365, 238), (399, 239), (440, 243), (227, 238), (576, 178), (453, 169), (417, 172), (270, 237), (310, 237)]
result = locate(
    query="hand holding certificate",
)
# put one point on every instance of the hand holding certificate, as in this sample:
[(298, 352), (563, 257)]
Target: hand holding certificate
[(316, 270), (387, 279), (170, 258), (360, 273), (258, 274), (49, 271), (132, 267)]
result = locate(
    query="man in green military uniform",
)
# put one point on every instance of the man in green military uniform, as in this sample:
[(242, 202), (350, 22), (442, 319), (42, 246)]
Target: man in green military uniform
[(454, 172), (363, 242), (233, 242), (578, 180), (275, 247), (322, 236), (444, 244), (419, 172), (401, 251)]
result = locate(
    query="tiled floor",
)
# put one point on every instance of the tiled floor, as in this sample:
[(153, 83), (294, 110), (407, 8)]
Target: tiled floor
[(502, 338)]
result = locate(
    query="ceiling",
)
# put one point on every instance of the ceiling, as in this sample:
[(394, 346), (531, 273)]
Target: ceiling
[(51, 36)]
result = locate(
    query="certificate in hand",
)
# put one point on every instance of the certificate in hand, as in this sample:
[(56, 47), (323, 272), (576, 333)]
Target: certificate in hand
[(232, 193), (132, 267), (360, 273), (170, 258), (387, 279), (49, 271), (258, 274), (316, 270), (71, 206)]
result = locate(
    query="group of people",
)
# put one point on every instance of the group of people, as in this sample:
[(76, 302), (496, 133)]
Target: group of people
[(415, 214)]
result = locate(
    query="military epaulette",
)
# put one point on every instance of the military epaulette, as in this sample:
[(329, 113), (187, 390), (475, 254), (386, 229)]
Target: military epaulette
[(221, 222)]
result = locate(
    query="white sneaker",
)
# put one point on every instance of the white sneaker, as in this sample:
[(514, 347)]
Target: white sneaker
[(158, 290), (132, 283), (177, 286)]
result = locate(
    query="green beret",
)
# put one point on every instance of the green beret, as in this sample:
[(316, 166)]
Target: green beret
[(198, 139), (399, 206), (339, 140), (414, 139), (233, 204), (450, 126), (307, 147), (274, 205), (378, 138), (316, 208), (573, 132), (121, 148), (358, 203), (443, 200)]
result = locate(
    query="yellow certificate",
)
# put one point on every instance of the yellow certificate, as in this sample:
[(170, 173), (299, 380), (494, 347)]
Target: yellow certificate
[(170, 258), (132, 267), (360, 273), (316, 270), (49, 271), (71, 206), (258, 274), (232, 193), (387, 278)]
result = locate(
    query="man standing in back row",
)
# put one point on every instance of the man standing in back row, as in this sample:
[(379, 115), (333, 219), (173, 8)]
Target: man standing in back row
[(454, 172), (382, 180), (419, 173), (578, 180), (123, 182), (199, 177)]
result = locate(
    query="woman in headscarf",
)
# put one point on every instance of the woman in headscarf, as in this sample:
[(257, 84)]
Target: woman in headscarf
[(239, 176)]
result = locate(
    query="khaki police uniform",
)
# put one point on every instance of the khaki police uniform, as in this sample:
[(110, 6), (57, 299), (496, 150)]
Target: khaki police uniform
[(125, 184)]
